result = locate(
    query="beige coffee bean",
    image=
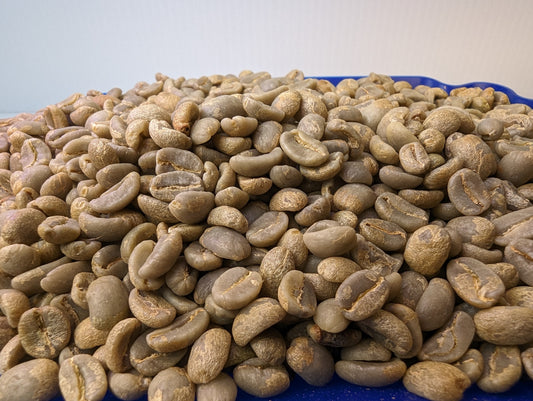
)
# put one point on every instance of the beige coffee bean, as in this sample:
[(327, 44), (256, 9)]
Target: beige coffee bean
[(208, 356), (171, 384), (504, 325), (436, 381), (31, 380)]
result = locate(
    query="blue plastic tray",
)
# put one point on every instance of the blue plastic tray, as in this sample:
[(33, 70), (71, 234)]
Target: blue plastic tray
[(340, 390)]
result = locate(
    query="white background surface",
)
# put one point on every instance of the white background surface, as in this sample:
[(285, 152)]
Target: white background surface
[(50, 49)]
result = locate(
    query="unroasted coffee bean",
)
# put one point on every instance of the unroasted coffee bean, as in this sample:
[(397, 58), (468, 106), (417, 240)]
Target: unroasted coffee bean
[(13, 303), (336, 268), (371, 374), (519, 253), (527, 360), (502, 368), (274, 266), (311, 361), (435, 306), (191, 207), (388, 330), (261, 380), (427, 249), (393, 208), (474, 282), (354, 197), (451, 341), (225, 243), (31, 380), (303, 149), (208, 355), (267, 229), (82, 377), (129, 385), (255, 318), (86, 336), (296, 295), (467, 192), (222, 388), (436, 381), (269, 346), (471, 363), (44, 331), (150, 362), (171, 384), (151, 309), (362, 294), (164, 255), (118, 343), (181, 333), (385, 234), (111, 292), (505, 325), (327, 238), (236, 288), (329, 316)]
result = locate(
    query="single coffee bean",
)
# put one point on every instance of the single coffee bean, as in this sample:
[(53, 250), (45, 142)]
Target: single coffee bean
[(329, 316), (12, 353), (261, 380), (256, 317), (502, 367), (82, 377), (149, 362), (267, 229), (86, 336), (275, 264), (311, 361), (151, 308), (111, 292), (354, 197), (118, 343), (505, 325), (163, 257), (471, 363), (436, 381), (393, 208), (191, 207), (225, 243), (435, 306), (270, 347), (527, 360), (327, 238), (180, 333), (371, 374), (18, 258), (427, 249), (476, 230), (451, 341), (32, 380), (385, 234), (171, 384), (468, 193), (296, 295), (222, 388), (303, 149), (519, 253), (13, 303), (44, 331), (208, 356), (388, 330), (474, 282), (181, 278), (236, 288), (362, 294), (129, 385)]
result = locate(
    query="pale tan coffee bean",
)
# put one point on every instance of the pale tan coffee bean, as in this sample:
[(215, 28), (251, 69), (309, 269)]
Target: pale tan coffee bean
[(436, 381), (32, 380)]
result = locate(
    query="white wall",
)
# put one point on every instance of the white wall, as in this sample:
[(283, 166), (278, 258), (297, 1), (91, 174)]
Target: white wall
[(50, 49)]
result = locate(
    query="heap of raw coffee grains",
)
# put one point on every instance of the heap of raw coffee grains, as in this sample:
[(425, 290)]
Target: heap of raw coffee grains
[(191, 236)]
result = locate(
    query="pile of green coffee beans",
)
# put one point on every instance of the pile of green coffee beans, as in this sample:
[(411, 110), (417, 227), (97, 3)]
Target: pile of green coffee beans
[(192, 236)]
